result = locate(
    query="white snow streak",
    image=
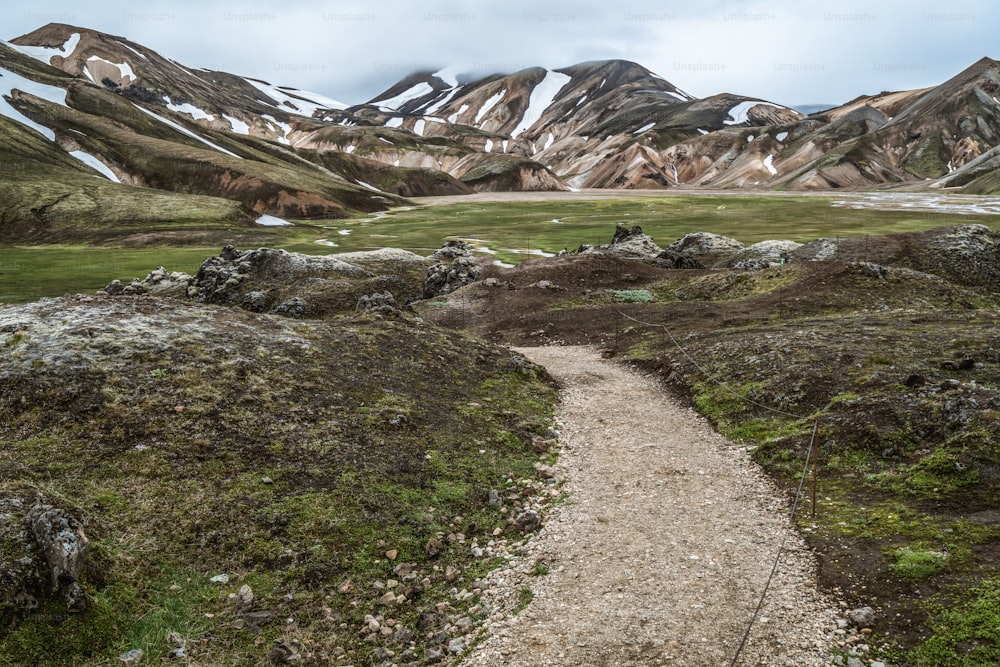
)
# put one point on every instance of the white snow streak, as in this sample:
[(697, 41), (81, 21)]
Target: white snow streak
[(489, 146), (9, 81), (503, 145), (271, 221), (489, 104), (189, 109), (421, 89), (395, 121), (124, 69), (454, 117), (47, 53), (95, 164), (739, 113), (239, 127), (350, 149), (184, 130), (369, 186), (541, 97), (703, 131), (769, 163), (418, 127), (436, 106), (448, 75), (548, 142), (781, 136), (285, 127), (644, 128), (298, 102)]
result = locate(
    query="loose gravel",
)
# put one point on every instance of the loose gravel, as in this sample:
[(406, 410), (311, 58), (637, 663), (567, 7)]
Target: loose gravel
[(661, 553)]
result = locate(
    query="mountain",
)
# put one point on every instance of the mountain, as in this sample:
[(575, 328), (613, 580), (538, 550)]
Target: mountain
[(596, 124), (101, 129), (96, 127)]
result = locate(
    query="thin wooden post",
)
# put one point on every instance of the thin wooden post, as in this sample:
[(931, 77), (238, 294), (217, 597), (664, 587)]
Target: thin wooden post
[(815, 461)]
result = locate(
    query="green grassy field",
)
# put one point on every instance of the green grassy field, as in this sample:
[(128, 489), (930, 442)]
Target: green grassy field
[(514, 231)]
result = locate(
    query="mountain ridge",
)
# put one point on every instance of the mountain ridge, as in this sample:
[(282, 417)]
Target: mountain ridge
[(141, 119)]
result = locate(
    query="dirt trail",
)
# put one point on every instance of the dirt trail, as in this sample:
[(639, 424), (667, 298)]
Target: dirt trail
[(665, 547)]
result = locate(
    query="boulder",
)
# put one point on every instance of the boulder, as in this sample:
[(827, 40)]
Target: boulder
[(445, 277), (707, 248), (64, 546), (764, 254)]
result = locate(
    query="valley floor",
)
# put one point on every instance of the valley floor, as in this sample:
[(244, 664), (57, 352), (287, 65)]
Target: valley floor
[(663, 551)]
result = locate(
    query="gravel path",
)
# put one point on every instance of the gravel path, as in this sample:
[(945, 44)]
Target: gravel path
[(662, 552)]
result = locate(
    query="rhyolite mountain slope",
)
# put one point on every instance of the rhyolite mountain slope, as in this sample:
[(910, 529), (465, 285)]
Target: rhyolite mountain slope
[(100, 129)]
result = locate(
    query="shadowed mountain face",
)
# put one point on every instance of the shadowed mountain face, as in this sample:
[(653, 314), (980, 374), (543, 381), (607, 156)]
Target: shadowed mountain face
[(94, 125)]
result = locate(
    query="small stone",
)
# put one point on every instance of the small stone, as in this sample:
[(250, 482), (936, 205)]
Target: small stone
[(387, 599), (346, 587), (131, 658), (220, 579), (451, 574), (392, 554), (244, 599), (433, 547), (862, 617), (456, 646), (266, 480)]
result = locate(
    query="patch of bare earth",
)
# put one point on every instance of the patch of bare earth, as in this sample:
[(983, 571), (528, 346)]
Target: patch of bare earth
[(664, 548)]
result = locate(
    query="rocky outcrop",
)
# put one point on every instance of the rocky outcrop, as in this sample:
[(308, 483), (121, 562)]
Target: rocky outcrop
[(290, 284), (445, 277), (626, 242), (64, 545), (707, 248), (764, 254), (42, 555)]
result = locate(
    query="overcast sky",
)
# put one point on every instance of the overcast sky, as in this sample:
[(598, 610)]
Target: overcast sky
[(787, 51)]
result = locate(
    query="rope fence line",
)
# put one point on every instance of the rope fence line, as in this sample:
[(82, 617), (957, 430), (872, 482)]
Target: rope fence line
[(798, 493), (716, 380)]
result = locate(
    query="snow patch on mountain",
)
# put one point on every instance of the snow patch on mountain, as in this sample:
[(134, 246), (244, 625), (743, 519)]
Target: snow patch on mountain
[(125, 72), (541, 98), (645, 128), (437, 106), (740, 112), (47, 53), (418, 127), (395, 121), (272, 221), (454, 117), (489, 146), (95, 164), (781, 136), (769, 164), (136, 52), (548, 142), (239, 127), (285, 128), (448, 75), (298, 102), (489, 104), (415, 92), (184, 130), (9, 81), (189, 109)]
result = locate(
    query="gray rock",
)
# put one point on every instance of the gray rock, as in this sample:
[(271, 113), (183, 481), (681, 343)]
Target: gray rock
[(444, 278), (131, 658), (61, 539), (863, 617), (707, 248), (528, 521), (379, 303), (765, 254), (633, 243)]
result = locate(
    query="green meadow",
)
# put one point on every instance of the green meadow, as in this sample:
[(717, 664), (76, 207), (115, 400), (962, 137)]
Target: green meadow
[(511, 231)]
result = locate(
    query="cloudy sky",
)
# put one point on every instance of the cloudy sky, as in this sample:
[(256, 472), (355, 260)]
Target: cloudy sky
[(786, 51)]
